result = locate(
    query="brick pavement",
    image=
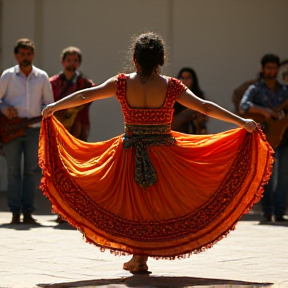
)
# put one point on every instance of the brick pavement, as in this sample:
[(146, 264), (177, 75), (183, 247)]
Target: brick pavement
[(55, 255)]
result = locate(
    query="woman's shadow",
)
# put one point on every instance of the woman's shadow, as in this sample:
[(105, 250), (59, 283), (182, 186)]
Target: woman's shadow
[(158, 281)]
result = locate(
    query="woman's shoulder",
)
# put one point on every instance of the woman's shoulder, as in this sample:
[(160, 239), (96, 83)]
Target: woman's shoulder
[(172, 79), (125, 75), (176, 83), (166, 78)]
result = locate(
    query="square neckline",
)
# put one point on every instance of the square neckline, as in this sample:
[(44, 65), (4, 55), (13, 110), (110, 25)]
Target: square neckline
[(146, 109)]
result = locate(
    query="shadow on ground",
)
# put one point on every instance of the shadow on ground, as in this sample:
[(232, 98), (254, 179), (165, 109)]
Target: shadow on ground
[(22, 226), (256, 217), (42, 204), (25, 226), (158, 281)]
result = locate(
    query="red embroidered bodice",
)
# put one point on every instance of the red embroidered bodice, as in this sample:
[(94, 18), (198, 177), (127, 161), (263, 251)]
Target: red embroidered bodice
[(161, 115)]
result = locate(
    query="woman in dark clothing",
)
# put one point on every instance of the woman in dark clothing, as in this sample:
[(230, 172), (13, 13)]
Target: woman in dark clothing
[(186, 120)]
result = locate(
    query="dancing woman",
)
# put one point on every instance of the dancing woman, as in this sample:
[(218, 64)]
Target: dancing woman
[(152, 191)]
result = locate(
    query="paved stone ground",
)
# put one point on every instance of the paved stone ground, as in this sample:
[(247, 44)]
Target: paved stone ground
[(52, 255)]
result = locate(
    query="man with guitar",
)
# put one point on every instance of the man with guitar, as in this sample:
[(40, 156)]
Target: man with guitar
[(75, 120), (24, 91), (266, 102)]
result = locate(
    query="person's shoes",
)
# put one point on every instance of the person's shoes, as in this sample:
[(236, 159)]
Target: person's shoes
[(267, 217), (28, 219), (280, 219), (15, 218), (60, 220)]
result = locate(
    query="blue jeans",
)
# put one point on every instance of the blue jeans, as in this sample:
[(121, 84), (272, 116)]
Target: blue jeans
[(274, 202), (21, 188)]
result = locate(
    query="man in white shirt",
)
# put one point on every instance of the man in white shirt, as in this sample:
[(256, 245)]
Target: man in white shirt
[(24, 91)]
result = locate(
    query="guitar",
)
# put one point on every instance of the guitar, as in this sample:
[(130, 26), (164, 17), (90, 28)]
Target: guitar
[(13, 128), (68, 116), (274, 128)]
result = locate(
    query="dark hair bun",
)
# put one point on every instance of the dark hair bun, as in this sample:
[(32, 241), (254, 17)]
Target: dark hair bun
[(149, 52)]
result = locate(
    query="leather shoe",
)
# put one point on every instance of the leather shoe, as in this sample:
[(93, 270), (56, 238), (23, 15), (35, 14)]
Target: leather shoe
[(60, 220), (280, 219), (15, 218), (267, 217), (28, 219)]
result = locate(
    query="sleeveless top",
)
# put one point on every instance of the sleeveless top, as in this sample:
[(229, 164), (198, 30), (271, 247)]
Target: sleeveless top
[(152, 116)]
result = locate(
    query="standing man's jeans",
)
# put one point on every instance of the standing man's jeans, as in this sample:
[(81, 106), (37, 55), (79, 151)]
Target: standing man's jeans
[(275, 202), (21, 190)]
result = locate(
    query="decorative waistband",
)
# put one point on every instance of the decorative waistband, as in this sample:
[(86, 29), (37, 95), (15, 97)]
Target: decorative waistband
[(142, 136), (132, 129)]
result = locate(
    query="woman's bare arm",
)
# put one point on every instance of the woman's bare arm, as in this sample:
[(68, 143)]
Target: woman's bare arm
[(182, 117), (105, 90), (188, 99)]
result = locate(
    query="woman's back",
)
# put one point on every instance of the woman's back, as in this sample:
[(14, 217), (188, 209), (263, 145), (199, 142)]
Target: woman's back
[(148, 94), (152, 104)]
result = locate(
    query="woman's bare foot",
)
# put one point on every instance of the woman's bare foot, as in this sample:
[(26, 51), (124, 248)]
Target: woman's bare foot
[(138, 264)]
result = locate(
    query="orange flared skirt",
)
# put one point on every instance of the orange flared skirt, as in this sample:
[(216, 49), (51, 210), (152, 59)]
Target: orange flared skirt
[(205, 184)]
